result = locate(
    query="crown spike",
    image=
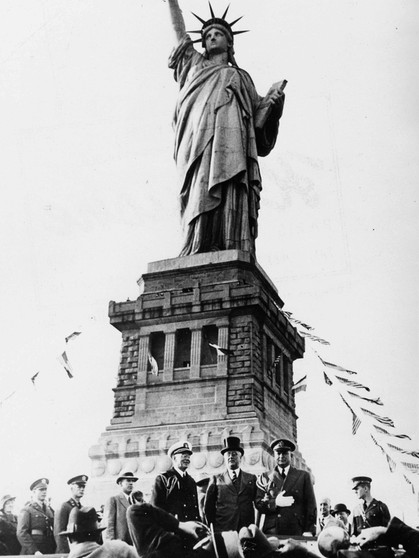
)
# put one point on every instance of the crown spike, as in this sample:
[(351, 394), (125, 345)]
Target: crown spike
[(235, 21), (225, 13), (240, 32), (211, 10), (198, 31), (199, 18)]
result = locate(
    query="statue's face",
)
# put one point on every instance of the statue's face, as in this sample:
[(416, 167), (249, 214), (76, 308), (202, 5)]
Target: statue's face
[(216, 42)]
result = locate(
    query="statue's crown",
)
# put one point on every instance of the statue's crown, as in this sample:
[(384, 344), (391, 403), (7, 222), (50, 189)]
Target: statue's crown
[(216, 21)]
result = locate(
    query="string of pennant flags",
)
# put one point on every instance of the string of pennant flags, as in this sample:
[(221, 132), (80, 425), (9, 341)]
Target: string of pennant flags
[(356, 396), (62, 359)]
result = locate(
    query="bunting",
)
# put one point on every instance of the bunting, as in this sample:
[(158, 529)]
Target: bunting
[(72, 336), (383, 420), (383, 431), (375, 401), (410, 482), (356, 421), (352, 383), (33, 378), (327, 379), (391, 463), (406, 452), (337, 367), (314, 338), (413, 467)]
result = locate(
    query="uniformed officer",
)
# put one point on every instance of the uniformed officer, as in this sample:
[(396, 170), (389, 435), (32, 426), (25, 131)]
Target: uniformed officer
[(175, 491), (35, 522), (370, 512), (77, 486)]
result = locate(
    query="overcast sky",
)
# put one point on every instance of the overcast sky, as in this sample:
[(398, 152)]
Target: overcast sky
[(89, 197)]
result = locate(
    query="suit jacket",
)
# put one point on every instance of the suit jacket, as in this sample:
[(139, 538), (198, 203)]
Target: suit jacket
[(60, 524), (35, 529), (400, 533), (116, 519), (329, 521), (375, 515), (229, 508), (293, 520), (176, 495)]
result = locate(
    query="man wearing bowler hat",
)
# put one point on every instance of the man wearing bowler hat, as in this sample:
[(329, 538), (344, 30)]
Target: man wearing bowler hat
[(230, 495), (84, 537), (285, 496), (341, 512), (370, 512), (35, 522), (115, 514), (175, 491)]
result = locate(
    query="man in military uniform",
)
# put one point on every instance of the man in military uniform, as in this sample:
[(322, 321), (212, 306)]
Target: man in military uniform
[(230, 495), (77, 485), (35, 522), (370, 512), (285, 497), (175, 491)]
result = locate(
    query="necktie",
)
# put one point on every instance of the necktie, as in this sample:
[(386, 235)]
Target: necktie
[(234, 478), (283, 473)]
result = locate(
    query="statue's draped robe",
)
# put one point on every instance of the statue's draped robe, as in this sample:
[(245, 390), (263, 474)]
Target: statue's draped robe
[(216, 150)]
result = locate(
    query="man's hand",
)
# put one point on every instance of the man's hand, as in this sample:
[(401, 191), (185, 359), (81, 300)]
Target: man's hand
[(369, 535), (284, 501), (292, 547), (194, 529)]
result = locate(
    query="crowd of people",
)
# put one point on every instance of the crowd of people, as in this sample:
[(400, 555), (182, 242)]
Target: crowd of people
[(234, 513)]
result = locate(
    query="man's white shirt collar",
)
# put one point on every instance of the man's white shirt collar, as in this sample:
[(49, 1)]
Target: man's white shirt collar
[(230, 472), (181, 473)]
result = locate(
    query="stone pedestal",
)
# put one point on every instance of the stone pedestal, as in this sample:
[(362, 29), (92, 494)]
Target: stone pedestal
[(185, 306)]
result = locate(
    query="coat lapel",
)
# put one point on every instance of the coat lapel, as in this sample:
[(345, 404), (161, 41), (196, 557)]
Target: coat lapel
[(290, 479), (123, 500)]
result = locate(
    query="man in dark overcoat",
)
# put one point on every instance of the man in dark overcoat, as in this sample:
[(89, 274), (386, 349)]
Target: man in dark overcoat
[(285, 496), (175, 491), (230, 495)]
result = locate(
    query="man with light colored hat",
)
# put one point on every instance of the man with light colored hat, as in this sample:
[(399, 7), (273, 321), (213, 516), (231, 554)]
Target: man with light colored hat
[(285, 496), (370, 512), (84, 537), (115, 514), (35, 522), (230, 495), (77, 485), (174, 490)]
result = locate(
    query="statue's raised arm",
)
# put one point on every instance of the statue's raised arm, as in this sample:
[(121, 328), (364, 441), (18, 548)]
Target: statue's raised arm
[(176, 17), (221, 127)]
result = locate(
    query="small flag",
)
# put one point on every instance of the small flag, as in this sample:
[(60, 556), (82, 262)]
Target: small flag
[(33, 379), (337, 367), (410, 482), (153, 364), (301, 385), (383, 431), (299, 322), (63, 359), (72, 336), (314, 338), (391, 463), (375, 401), (377, 444), (352, 383), (221, 351), (383, 420), (413, 467), (356, 421), (327, 379)]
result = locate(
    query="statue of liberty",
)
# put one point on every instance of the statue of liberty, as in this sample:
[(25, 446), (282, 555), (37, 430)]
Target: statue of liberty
[(221, 127)]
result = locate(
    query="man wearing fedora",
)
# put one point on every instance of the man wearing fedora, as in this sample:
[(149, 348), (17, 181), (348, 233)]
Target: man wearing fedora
[(370, 512), (115, 514), (285, 496), (35, 522), (229, 502), (77, 485), (175, 491), (84, 537)]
